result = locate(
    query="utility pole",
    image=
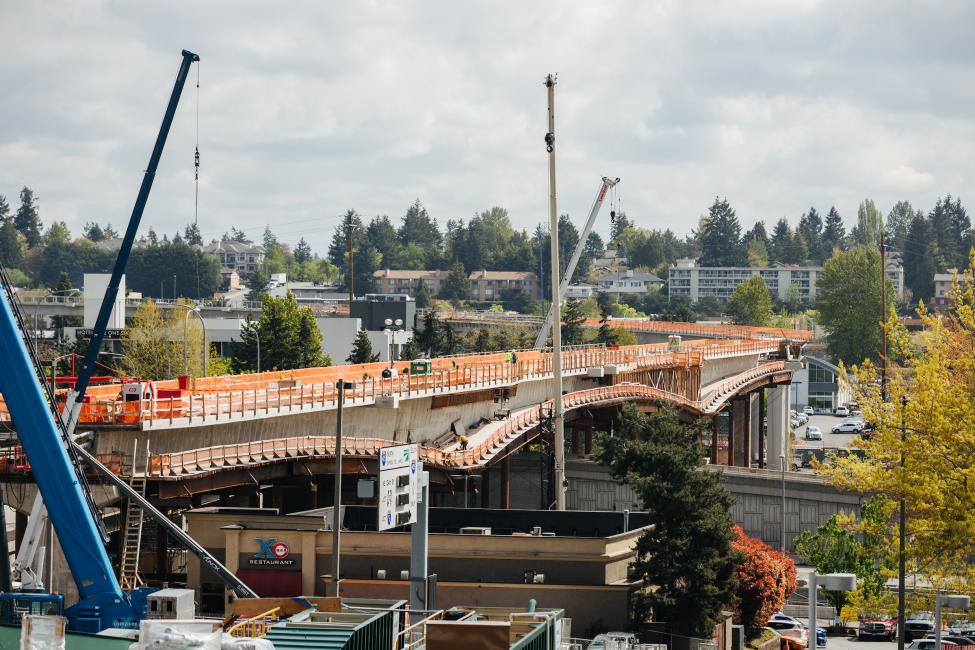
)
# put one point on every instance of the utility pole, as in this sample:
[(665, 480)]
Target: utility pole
[(902, 541), (348, 230), (883, 316), (559, 435)]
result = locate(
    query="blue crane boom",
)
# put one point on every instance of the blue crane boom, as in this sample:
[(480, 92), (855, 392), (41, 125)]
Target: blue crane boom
[(45, 440)]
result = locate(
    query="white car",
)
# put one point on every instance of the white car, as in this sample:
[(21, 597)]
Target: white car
[(814, 433), (841, 412), (802, 417), (930, 644), (849, 426), (808, 410)]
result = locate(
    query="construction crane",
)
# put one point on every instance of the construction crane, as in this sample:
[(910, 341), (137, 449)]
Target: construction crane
[(604, 187), (55, 456)]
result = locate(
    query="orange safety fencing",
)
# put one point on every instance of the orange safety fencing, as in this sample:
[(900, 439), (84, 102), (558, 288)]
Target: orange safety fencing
[(255, 394), (499, 434)]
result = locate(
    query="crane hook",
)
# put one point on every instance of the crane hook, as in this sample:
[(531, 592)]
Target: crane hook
[(549, 142)]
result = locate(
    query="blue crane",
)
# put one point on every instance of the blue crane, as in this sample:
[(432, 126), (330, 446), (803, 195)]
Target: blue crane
[(45, 436)]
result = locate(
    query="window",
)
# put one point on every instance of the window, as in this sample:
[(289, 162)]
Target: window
[(818, 374)]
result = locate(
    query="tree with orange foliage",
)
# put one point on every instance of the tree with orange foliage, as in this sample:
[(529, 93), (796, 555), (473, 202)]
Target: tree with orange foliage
[(766, 579)]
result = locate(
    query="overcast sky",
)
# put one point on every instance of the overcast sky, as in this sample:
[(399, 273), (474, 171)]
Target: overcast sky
[(307, 109)]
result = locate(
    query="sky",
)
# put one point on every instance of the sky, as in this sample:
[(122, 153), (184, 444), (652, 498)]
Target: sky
[(307, 109)]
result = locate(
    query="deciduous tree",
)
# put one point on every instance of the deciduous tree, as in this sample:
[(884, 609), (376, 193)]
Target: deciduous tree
[(766, 580), (751, 302), (849, 303)]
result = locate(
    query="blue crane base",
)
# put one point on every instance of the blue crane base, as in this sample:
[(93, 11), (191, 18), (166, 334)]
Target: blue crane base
[(100, 611)]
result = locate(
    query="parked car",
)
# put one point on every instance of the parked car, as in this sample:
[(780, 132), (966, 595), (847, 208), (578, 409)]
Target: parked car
[(793, 632), (779, 616), (929, 644), (841, 412), (959, 639), (877, 625), (802, 417), (848, 427), (813, 433), (820, 635), (918, 626), (808, 410)]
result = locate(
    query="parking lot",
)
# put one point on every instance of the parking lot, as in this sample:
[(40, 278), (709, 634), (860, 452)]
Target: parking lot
[(851, 643), (826, 424)]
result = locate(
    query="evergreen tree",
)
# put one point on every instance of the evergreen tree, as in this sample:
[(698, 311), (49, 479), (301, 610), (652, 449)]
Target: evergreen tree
[(289, 337), (759, 232), (757, 253), (796, 251), (482, 340), (920, 259), (4, 210), (456, 286), (961, 229), (950, 228), (572, 320), (619, 223), (811, 229), (409, 350), (338, 249), (381, 235), (428, 336), (834, 233), (237, 235), (419, 229), (192, 235), (422, 296), (11, 246), (606, 334), (93, 231), (780, 242), (720, 236), (362, 349), (302, 251), (27, 220), (57, 233), (687, 555)]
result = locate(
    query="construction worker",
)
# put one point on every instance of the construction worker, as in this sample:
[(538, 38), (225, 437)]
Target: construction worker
[(462, 441)]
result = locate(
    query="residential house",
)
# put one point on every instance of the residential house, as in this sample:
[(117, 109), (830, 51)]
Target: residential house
[(629, 282), (406, 281), (235, 256)]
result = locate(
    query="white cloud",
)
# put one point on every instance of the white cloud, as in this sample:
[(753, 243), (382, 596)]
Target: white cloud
[(313, 108)]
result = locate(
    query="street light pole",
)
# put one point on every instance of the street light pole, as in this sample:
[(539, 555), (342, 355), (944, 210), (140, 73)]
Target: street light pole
[(782, 466), (951, 602), (186, 351), (902, 540), (830, 582)]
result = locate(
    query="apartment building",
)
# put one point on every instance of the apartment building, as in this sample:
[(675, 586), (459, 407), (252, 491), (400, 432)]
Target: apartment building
[(490, 285), (485, 285), (686, 278), (406, 281), (236, 256)]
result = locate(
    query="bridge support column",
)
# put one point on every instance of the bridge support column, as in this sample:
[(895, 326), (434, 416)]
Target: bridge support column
[(486, 488), (714, 439), (742, 436), (506, 482), (778, 425), (756, 452)]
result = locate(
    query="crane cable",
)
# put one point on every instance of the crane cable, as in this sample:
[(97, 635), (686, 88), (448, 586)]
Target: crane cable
[(196, 155)]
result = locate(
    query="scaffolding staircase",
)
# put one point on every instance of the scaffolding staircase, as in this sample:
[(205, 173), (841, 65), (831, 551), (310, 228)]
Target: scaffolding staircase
[(132, 534)]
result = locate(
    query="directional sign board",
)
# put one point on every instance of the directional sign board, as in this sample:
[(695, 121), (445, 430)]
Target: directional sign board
[(399, 485)]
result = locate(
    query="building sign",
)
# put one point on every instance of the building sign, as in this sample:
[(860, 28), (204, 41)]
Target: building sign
[(272, 554), (86, 332)]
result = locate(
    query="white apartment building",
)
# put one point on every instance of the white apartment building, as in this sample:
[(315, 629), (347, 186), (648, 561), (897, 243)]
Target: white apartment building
[(686, 278)]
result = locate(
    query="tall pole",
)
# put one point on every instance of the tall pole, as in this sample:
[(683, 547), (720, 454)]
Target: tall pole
[(883, 316), (258, 335), (902, 543), (782, 466), (337, 503), (811, 595), (348, 236), (559, 436)]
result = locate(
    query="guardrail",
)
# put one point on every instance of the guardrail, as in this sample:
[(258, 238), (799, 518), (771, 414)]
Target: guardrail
[(255, 626), (501, 434), (279, 392)]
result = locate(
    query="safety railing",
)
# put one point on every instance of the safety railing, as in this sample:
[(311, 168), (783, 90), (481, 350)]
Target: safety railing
[(279, 392), (256, 626), (414, 636)]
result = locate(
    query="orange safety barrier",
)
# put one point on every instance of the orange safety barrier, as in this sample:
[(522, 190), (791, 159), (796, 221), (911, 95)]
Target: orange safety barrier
[(501, 434), (213, 398)]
